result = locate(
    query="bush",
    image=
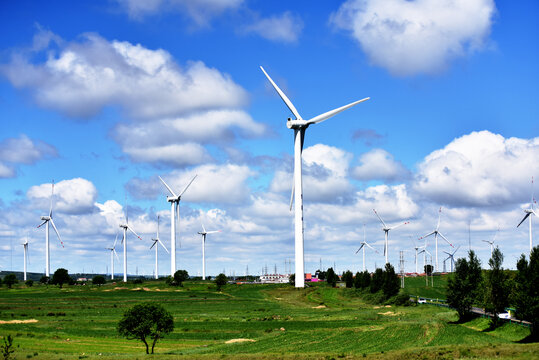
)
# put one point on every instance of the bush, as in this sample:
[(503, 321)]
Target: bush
[(331, 277), (10, 280), (402, 299), (44, 280), (292, 279), (138, 281), (29, 283)]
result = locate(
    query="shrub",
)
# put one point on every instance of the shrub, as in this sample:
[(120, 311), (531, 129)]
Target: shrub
[(98, 280), (10, 280), (29, 283)]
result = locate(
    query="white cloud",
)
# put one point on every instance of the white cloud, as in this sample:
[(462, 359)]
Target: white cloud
[(378, 164), (87, 76), (282, 28), (200, 11), (75, 196), (419, 36), (480, 169), (22, 150), (6, 171)]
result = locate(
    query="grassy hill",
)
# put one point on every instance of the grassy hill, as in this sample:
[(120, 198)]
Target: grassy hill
[(278, 321)]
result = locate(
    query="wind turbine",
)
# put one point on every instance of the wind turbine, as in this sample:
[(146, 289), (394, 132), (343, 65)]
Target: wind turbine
[(112, 253), (416, 248), (299, 125), (155, 241), (452, 257), (126, 227), (174, 201), (204, 233), (425, 252), (363, 244), (26, 255), (528, 213), (386, 230), (436, 233), (491, 243), (46, 220)]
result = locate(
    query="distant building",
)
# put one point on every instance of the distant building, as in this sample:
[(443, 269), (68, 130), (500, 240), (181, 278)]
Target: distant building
[(274, 279)]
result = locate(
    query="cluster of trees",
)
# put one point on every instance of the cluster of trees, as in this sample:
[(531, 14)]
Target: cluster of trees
[(495, 289), (179, 277), (384, 280)]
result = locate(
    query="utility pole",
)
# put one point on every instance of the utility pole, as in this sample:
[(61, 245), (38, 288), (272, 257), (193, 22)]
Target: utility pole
[(401, 262)]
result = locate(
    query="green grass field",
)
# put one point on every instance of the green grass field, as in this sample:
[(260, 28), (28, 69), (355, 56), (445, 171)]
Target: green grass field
[(79, 322)]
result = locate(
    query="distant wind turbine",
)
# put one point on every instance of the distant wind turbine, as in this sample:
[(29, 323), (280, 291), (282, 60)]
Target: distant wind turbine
[(126, 227), (26, 256), (528, 213), (46, 220), (386, 230), (299, 126), (416, 248), (436, 233), (451, 256), (174, 201), (204, 233), (112, 253), (491, 242), (155, 241), (363, 244)]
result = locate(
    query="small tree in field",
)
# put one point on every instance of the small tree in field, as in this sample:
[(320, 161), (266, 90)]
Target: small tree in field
[(10, 280), (391, 283), (145, 321), (497, 289), (98, 280), (60, 277), (180, 276), (377, 281), (526, 296), (428, 269), (464, 286), (220, 281), (331, 277), (44, 280), (348, 278), (292, 279)]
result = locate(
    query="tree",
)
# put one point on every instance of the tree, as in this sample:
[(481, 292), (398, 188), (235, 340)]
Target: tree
[(348, 278), (180, 276), (98, 280), (391, 283), (29, 283), (358, 280), (60, 277), (7, 347), (497, 289), (44, 280), (464, 286), (428, 269), (320, 274), (10, 280), (220, 281), (292, 279), (377, 280), (331, 277), (526, 294), (144, 321)]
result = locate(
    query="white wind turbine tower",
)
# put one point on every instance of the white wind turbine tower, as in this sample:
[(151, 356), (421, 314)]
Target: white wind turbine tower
[(491, 243), (386, 230), (436, 233), (112, 254), (416, 248), (174, 201), (204, 233), (126, 227), (300, 125), (155, 241), (26, 255), (363, 244), (46, 220), (452, 257), (528, 213), (425, 252)]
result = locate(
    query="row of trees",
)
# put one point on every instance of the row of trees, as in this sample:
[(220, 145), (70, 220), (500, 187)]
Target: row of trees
[(495, 289)]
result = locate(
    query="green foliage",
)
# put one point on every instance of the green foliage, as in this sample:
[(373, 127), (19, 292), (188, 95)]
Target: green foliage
[(526, 293), (0, 281), (61, 277), (7, 347), (402, 299), (180, 276), (98, 280), (377, 280), (44, 280), (220, 281), (348, 278), (320, 274), (29, 283), (138, 280), (391, 282), (362, 280), (292, 279), (331, 277), (428, 269), (496, 288), (144, 321), (464, 287), (10, 280)]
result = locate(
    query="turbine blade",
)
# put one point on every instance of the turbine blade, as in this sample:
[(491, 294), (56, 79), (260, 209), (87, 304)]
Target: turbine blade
[(43, 223), (133, 231), (115, 240), (52, 194), (56, 230), (374, 249), (361, 247), (404, 223), (525, 217), (154, 242), (213, 231), (115, 253), (439, 215), (331, 113), (429, 234), (382, 221), (193, 179), (163, 245), (168, 187), (177, 219), (292, 194), (283, 96), (203, 228), (443, 237)]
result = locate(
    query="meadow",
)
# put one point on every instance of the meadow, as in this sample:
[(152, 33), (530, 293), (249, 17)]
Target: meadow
[(275, 321)]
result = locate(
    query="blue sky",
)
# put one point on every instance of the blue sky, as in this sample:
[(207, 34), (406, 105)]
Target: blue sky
[(103, 96)]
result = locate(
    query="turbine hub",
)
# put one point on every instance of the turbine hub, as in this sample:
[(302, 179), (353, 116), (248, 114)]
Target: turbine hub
[(45, 218)]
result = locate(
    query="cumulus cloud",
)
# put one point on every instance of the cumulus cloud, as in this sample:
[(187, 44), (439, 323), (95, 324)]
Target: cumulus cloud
[(368, 137), (284, 28), (75, 196), (378, 164), (419, 36), (22, 150), (479, 169), (201, 11), (84, 77)]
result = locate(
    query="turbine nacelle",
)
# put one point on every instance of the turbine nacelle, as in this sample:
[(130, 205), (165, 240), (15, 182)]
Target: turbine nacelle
[(173, 199), (45, 218), (296, 124)]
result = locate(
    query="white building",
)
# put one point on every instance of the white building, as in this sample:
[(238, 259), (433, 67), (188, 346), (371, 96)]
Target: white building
[(274, 279)]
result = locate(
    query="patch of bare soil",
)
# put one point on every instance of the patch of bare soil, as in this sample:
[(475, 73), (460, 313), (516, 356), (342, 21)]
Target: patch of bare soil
[(29, 321), (232, 341)]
